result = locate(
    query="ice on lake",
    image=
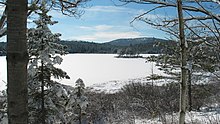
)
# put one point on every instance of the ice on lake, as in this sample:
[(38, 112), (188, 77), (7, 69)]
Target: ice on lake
[(96, 68)]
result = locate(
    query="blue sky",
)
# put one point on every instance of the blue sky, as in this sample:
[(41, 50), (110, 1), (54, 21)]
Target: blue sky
[(102, 21)]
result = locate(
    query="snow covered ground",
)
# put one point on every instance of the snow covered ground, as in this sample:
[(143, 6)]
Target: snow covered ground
[(103, 72), (115, 85), (193, 117), (97, 69)]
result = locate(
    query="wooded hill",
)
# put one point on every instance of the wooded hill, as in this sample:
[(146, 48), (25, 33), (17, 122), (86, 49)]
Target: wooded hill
[(137, 45)]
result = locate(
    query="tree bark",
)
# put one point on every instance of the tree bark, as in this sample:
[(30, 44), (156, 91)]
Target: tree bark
[(17, 59), (190, 90), (183, 82), (43, 117)]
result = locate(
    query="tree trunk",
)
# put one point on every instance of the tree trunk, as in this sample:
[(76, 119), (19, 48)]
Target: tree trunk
[(190, 89), (17, 59), (183, 82), (43, 117)]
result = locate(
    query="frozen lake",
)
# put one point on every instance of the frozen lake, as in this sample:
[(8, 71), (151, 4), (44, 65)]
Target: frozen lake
[(96, 68)]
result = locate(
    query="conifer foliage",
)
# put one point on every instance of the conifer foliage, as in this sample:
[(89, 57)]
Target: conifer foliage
[(47, 98), (3, 107), (77, 104)]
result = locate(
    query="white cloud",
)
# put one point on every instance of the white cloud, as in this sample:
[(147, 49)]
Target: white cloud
[(103, 33), (108, 36), (109, 9), (103, 27), (105, 23), (97, 28), (121, 10)]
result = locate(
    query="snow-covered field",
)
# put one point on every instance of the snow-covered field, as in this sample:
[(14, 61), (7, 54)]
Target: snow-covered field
[(103, 72), (98, 70)]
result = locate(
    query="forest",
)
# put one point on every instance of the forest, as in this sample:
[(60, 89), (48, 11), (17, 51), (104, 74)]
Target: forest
[(190, 61), (137, 45)]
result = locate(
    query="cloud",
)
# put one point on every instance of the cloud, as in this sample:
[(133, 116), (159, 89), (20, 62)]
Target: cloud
[(110, 9), (105, 23), (119, 12), (97, 28), (104, 33), (103, 27), (108, 36)]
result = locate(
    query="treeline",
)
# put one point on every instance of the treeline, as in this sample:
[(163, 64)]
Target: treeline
[(135, 45), (88, 47)]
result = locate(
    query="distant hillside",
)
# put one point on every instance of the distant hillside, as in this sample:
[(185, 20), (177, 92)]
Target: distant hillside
[(135, 45), (89, 47), (146, 45), (135, 41)]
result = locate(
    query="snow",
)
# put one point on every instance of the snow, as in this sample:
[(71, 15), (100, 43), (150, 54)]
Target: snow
[(104, 68), (103, 72), (193, 117), (98, 69), (115, 85)]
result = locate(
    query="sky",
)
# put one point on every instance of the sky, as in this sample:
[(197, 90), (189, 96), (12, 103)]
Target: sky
[(104, 21), (107, 20)]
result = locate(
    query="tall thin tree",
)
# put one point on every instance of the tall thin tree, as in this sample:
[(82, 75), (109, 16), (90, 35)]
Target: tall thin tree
[(183, 51), (45, 52)]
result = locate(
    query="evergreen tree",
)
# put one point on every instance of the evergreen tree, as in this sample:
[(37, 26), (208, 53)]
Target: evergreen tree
[(46, 96), (3, 107), (77, 104)]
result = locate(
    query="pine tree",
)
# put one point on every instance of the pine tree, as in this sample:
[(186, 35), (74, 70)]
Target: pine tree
[(46, 96), (3, 107), (77, 104)]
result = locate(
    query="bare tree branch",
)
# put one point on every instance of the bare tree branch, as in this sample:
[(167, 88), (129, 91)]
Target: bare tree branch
[(193, 18), (67, 7), (170, 4), (141, 15), (3, 3), (3, 19)]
